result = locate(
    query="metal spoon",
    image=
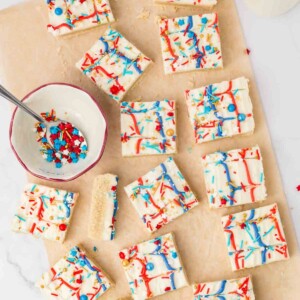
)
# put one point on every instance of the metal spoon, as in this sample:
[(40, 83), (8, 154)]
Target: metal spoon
[(10, 97)]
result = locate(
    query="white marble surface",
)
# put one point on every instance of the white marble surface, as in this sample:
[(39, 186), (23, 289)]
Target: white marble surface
[(275, 54)]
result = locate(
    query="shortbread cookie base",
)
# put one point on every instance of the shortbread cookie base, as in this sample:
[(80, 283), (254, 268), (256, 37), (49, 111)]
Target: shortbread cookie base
[(102, 209), (205, 6)]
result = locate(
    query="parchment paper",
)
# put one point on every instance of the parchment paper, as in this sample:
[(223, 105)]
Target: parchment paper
[(30, 57)]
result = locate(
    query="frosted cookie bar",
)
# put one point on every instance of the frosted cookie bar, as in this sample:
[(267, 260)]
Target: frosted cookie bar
[(235, 177), (66, 16), (161, 195), (44, 212), (113, 64), (233, 289), (148, 128), (190, 43), (205, 3), (255, 237), (220, 110), (104, 208), (153, 268), (74, 277)]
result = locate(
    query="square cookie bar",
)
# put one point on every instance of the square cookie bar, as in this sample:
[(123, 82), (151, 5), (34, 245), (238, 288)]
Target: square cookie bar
[(232, 289), (104, 208), (44, 212), (113, 64), (220, 110), (255, 237), (73, 277), (190, 43), (66, 16), (153, 268), (148, 128), (205, 3), (161, 195), (235, 177)]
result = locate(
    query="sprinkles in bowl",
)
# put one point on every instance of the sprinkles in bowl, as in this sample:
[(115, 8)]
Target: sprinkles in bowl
[(67, 144)]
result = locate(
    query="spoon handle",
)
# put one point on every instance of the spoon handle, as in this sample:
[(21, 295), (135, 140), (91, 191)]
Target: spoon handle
[(10, 97)]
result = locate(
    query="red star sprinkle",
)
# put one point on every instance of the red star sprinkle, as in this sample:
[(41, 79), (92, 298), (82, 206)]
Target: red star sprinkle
[(243, 225), (298, 188), (115, 90), (248, 51)]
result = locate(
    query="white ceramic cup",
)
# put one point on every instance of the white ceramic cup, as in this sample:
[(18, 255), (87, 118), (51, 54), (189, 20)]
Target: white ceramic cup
[(270, 8)]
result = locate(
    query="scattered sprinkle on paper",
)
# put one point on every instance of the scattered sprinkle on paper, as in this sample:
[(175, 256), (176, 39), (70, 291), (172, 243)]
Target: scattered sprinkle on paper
[(247, 51), (95, 249), (158, 19)]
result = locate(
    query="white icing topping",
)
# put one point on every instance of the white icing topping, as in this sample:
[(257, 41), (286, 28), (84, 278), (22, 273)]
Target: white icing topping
[(153, 268), (220, 110), (190, 43), (44, 212), (235, 177), (148, 128), (161, 195)]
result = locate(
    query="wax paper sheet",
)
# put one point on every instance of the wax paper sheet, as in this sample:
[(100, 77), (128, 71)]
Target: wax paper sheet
[(30, 57)]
